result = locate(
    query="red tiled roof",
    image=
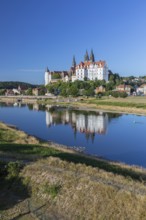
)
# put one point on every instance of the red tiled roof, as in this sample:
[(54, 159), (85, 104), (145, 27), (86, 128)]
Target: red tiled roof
[(86, 64), (143, 85)]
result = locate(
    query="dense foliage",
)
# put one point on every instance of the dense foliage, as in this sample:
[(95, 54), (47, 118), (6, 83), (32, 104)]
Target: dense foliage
[(56, 76), (83, 88), (12, 85)]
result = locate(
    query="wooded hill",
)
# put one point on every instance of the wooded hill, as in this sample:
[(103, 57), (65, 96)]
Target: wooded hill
[(13, 84)]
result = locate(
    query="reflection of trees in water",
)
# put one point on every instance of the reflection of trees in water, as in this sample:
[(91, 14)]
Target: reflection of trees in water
[(112, 115)]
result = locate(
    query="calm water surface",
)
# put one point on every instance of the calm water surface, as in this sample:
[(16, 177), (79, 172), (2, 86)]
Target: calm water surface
[(114, 136)]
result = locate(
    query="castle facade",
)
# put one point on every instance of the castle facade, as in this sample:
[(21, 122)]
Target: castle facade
[(87, 70)]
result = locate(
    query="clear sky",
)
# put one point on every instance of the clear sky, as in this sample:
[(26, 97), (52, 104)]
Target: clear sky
[(35, 34)]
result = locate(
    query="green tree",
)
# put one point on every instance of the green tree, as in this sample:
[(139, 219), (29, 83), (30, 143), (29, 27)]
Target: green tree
[(64, 92), (110, 85), (2, 91), (50, 88), (29, 91), (89, 92), (56, 76), (73, 90)]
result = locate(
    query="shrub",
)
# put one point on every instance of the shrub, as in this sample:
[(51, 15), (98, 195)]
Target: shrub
[(123, 94), (52, 190), (13, 169)]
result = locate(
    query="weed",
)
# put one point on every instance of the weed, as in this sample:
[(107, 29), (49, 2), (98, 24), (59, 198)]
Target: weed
[(13, 169), (52, 189)]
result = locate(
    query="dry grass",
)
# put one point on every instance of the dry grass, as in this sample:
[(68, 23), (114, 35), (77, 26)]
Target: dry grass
[(71, 186), (8, 134), (86, 192)]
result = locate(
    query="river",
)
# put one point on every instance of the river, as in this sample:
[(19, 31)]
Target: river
[(118, 137)]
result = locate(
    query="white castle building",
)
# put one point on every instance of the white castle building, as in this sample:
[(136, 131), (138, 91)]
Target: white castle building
[(89, 69), (92, 70)]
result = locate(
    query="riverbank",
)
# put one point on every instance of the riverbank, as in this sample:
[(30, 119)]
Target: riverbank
[(58, 183), (130, 105)]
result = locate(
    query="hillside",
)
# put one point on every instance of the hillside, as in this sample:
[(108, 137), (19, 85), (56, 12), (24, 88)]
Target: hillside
[(15, 84)]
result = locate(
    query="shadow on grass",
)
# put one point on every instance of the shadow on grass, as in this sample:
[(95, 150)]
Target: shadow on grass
[(12, 189), (103, 164), (37, 152)]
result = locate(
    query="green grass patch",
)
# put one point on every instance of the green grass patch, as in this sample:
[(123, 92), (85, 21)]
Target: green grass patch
[(43, 152), (27, 149), (52, 189), (120, 104)]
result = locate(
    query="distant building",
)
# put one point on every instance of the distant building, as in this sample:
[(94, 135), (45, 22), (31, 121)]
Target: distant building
[(38, 91), (141, 90), (99, 89), (55, 76), (124, 88), (11, 92)]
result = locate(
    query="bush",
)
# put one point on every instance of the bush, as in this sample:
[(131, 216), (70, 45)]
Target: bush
[(56, 76), (123, 94), (13, 169), (52, 190), (116, 94)]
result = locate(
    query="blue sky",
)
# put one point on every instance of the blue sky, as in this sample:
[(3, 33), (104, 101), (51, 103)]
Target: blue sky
[(35, 34)]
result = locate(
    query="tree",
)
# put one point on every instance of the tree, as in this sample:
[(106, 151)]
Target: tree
[(86, 57), (73, 90), (56, 76), (89, 92), (64, 92), (2, 91), (29, 91), (85, 78), (50, 88), (110, 86)]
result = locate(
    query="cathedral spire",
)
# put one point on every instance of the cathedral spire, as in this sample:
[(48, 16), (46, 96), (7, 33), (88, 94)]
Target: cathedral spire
[(74, 62), (92, 58), (86, 57), (47, 70)]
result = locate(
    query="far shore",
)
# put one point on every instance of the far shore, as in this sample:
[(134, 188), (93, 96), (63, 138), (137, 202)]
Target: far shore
[(79, 103)]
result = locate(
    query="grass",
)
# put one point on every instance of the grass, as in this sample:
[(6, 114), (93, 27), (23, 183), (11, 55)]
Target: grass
[(52, 189), (117, 103), (37, 151), (85, 192), (131, 104), (62, 184), (27, 149), (10, 135)]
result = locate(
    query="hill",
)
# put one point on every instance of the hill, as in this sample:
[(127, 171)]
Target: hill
[(15, 84)]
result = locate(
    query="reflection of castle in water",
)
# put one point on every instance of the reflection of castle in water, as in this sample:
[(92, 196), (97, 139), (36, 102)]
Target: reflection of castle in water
[(90, 124)]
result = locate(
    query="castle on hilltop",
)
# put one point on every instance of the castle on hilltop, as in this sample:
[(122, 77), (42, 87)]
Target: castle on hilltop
[(87, 70)]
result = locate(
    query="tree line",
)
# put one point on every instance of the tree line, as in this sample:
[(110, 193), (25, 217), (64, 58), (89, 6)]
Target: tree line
[(86, 87)]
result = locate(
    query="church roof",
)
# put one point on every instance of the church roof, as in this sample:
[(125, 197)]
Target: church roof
[(88, 63)]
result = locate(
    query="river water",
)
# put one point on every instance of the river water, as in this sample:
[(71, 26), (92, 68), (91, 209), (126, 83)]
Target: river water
[(119, 137)]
